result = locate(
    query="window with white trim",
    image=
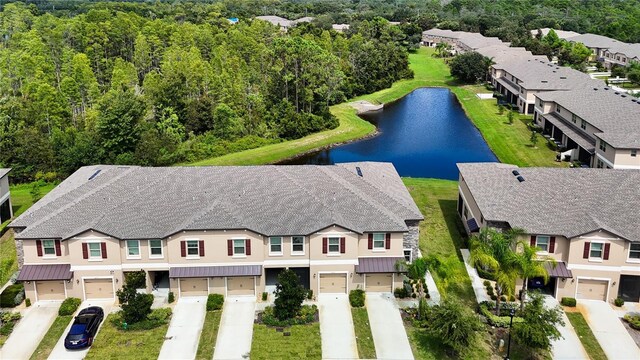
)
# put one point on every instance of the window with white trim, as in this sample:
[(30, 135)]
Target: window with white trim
[(155, 249), (603, 146), (49, 247), (634, 251), (193, 248), (95, 250), (574, 118), (239, 247), (408, 254), (297, 245), (596, 250), (334, 245), (542, 242), (133, 249), (599, 164), (378, 241), (583, 125), (275, 245)]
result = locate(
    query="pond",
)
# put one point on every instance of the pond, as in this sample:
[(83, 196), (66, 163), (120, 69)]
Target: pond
[(423, 134)]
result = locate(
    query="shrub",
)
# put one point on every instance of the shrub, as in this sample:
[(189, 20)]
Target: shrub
[(400, 293), (136, 279), (215, 302), (137, 308), (310, 294), (8, 320), (633, 320), (618, 302), (171, 298), (19, 298), (265, 296), (486, 310), (6, 329), (161, 314), (486, 283), (27, 302), (568, 301), (10, 295), (493, 297), (503, 298), (512, 298), (490, 290), (289, 295), (69, 306), (485, 274), (156, 318), (307, 314), (356, 298), (414, 295)]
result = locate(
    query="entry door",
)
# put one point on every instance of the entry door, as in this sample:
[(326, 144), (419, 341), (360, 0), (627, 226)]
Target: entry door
[(629, 288)]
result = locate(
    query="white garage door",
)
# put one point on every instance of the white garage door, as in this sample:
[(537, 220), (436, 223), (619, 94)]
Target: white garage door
[(592, 289), (98, 289), (333, 283), (241, 285), (379, 282), (50, 290), (194, 287)]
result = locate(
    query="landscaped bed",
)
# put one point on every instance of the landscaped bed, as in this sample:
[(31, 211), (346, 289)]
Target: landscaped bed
[(303, 342), (364, 339), (51, 338), (9, 321)]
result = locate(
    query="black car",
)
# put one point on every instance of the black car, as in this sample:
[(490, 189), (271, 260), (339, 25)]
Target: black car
[(84, 328)]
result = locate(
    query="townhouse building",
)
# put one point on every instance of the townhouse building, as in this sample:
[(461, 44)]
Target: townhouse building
[(621, 55), (600, 126), (461, 41), (283, 23), (598, 44), (585, 219), (227, 230), (562, 34), (6, 212)]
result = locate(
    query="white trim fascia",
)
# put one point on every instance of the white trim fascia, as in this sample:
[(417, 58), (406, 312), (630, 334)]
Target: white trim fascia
[(174, 265), (95, 267), (605, 160), (334, 262), (383, 256), (89, 238), (4, 197), (627, 167), (334, 233), (145, 266), (286, 262), (604, 268)]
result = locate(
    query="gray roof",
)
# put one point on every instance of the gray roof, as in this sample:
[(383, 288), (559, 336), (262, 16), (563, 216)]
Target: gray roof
[(595, 41), (557, 201), (631, 51), (535, 74), (275, 20), (4, 172), (45, 272), (615, 114), (130, 202), (562, 34), (215, 271), (501, 53), (379, 265)]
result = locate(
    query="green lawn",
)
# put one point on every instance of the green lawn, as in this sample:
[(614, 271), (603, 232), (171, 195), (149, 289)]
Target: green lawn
[(51, 337), (304, 343), (208, 336), (428, 347), (586, 336), (366, 347), (113, 343)]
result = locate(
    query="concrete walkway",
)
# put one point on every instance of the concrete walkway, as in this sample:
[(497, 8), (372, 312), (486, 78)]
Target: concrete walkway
[(59, 352), (181, 341), (27, 334), (569, 347), (476, 280), (236, 328), (389, 335), (336, 327), (608, 330)]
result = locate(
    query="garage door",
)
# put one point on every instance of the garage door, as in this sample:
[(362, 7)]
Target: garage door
[(98, 288), (50, 290), (592, 289), (194, 287), (333, 283), (241, 285), (379, 282)]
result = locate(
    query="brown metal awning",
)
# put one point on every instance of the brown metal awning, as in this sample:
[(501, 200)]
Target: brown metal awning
[(559, 271), (45, 272), (215, 271), (380, 265)]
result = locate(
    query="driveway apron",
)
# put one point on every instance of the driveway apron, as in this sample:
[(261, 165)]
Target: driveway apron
[(60, 353), (608, 330), (26, 336), (181, 341), (336, 327), (569, 346), (236, 328), (389, 335)]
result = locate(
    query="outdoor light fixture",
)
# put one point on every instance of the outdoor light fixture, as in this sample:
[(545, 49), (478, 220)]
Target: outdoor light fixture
[(77, 281), (564, 279), (613, 283), (116, 280), (314, 275), (512, 313), (28, 282)]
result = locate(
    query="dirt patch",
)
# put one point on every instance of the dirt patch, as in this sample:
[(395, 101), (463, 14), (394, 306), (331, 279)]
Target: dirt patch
[(363, 106)]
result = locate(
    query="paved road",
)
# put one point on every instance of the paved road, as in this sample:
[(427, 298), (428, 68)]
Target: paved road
[(569, 347), (389, 334), (336, 327), (185, 327), (59, 352), (609, 331), (236, 328), (26, 336)]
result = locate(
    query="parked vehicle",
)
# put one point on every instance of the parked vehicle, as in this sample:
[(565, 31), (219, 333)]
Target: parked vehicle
[(84, 328)]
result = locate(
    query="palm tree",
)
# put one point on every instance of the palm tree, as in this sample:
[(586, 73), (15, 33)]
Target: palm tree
[(529, 264), (443, 49)]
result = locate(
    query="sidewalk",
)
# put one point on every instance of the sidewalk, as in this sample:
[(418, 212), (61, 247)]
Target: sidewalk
[(476, 281)]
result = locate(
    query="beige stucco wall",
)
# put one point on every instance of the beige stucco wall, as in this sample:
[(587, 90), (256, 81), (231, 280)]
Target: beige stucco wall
[(351, 244), (215, 243), (623, 157), (617, 254), (470, 203), (4, 185), (396, 246)]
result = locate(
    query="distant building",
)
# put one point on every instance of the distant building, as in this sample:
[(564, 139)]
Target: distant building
[(283, 23), (5, 200), (340, 27), (562, 34)]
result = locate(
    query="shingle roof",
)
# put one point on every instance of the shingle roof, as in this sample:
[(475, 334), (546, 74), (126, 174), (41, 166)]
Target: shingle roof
[(595, 41), (275, 20), (4, 172), (501, 53), (544, 75), (557, 201), (129, 202), (562, 34), (215, 271), (615, 114), (631, 51), (45, 272)]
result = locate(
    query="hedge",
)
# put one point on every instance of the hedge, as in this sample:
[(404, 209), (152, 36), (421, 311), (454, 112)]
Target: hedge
[(568, 301), (12, 296), (486, 310), (307, 315), (215, 302), (356, 298), (69, 306), (633, 320)]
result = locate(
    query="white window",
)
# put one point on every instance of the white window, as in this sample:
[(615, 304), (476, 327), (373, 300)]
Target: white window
[(239, 247), (603, 146), (155, 249), (542, 242), (49, 247), (408, 254), (599, 164), (334, 245), (378, 241), (297, 245), (133, 249), (193, 248), (275, 245), (95, 250), (595, 251), (634, 251), (583, 125)]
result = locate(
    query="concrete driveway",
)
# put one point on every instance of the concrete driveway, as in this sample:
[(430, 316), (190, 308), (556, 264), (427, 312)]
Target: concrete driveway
[(389, 335), (236, 328), (569, 347), (26, 336), (336, 327), (184, 329), (608, 330), (59, 352)]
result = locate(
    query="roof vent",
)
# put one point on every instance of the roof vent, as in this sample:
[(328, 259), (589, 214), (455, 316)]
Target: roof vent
[(606, 88), (520, 178), (94, 174), (359, 171), (515, 173), (596, 89), (544, 81), (563, 77), (617, 92), (623, 95)]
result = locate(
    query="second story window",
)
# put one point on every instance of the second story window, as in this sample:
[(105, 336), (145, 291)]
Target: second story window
[(155, 249), (334, 245), (239, 247), (574, 118), (583, 125), (133, 249), (275, 245), (634, 251), (49, 247), (542, 242), (603, 146), (558, 109), (95, 251), (378, 241), (595, 252), (192, 248), (297, 245)]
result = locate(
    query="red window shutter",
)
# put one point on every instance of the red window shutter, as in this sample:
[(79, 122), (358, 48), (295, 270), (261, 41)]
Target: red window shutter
[(230, 247), (607, 247), (342, 245), (370, 241), (183, 248), (58, 249), (585, 252), (247, 244), (324, 245), (387, 243), (552, 245), (533, 241), (201, 247), (39, 247), (85, 251), (103, 247)]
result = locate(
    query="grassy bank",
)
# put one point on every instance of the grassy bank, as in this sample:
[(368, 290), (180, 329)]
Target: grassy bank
[(303, 343), (51, 338), (208, 336), (362, 328), (588, 340)]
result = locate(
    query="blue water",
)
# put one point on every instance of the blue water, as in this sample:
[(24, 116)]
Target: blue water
[(423, 134)]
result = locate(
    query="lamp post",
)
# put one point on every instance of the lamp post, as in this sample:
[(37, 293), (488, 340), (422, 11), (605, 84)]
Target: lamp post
[(512, 313)]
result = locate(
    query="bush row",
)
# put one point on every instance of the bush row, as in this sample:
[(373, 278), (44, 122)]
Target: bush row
[(69, 306), (156, 318), (215, 302), (308, 314), (568, 301), (633, 320), (502, 321), (356, 298), (12, 296)]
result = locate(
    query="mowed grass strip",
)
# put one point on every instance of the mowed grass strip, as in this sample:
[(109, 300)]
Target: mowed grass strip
[(51, 338), (591, 345), (208, 336), (304, 342), (364, 339)]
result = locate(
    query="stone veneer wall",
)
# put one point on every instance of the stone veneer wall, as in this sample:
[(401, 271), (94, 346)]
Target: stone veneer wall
[(411, 239)]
